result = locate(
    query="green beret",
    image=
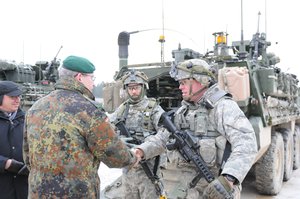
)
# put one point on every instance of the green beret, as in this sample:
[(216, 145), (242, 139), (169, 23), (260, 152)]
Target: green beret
[(78, 64)]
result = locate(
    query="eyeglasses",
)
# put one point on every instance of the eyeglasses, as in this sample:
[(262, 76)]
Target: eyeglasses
[(92, 76), (137, 87)]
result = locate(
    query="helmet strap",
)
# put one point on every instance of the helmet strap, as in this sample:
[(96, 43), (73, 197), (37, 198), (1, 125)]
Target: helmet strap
[(191, 94)]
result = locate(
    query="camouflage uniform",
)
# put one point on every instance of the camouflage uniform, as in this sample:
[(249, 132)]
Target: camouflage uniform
[(213, 120), (66, 137), (142, 122)]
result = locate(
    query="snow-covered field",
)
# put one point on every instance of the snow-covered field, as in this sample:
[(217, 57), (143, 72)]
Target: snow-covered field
[(107, 175)]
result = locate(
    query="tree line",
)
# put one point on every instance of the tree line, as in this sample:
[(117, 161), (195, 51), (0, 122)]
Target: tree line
[(98, 90)]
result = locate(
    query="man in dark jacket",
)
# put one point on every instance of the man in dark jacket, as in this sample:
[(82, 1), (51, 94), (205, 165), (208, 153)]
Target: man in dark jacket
[(13, 172)]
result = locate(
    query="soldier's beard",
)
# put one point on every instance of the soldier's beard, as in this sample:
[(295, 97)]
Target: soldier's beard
[(137, 98)]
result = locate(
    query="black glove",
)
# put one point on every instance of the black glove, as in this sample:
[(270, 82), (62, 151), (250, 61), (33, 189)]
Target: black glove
[(24, 171), (129, 141), (218, 189), (18, 168)]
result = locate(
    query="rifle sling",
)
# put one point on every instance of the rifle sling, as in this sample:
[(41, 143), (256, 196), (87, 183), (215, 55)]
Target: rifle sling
[(124, 116), (156, 164), (226, 155)]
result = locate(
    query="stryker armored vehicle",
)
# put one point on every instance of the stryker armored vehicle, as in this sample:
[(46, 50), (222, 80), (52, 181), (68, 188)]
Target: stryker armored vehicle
[(268, 96), (36, 81)]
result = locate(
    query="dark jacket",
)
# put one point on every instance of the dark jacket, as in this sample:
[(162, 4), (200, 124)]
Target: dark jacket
[(12, 186)]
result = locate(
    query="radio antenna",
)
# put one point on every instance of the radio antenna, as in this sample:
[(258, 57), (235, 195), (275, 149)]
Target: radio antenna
[(242, 29), (162, 37), (266, 18)]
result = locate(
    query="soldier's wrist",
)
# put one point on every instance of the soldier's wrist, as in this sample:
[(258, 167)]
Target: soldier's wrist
[(230, 178)]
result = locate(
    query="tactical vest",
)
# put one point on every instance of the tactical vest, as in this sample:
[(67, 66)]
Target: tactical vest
[(143, 127), (196, 119)]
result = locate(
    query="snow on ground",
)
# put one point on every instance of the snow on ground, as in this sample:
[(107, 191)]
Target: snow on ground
[(107, 175)]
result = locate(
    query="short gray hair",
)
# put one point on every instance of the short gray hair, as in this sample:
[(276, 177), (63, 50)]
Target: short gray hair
[(63, 72)]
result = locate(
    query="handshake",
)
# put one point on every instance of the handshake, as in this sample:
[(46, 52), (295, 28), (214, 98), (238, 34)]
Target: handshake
[(17, 167)]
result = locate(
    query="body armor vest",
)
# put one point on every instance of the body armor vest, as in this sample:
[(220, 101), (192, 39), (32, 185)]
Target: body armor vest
[(196, 118), (138, 118)]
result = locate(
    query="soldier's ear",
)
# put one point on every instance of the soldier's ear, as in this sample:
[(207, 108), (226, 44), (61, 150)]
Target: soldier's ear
[(78, 77)]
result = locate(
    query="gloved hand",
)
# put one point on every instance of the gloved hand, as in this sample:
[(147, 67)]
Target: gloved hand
[(128, 141), (18, 167), (24, 171), (218, 189)]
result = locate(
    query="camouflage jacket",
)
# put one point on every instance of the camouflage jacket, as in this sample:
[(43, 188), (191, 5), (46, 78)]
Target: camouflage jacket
[(66, 137)]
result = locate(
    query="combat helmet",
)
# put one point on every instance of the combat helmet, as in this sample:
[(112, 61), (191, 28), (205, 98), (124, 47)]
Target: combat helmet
[(198, 69), (135, 77)]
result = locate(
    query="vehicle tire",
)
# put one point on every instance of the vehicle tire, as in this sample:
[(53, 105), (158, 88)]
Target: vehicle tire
[(269, 169), (296, 148), (288, 153)]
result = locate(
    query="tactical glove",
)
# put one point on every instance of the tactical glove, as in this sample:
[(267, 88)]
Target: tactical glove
[(218, 189), (24, 171), (129, 141), (18, 168)]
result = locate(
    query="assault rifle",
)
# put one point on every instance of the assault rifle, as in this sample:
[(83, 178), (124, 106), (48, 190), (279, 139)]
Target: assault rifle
[(188, 147), (150, 174)]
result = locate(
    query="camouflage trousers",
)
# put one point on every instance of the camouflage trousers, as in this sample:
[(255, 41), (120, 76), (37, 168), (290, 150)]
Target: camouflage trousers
[(176, 180), (136, 185)]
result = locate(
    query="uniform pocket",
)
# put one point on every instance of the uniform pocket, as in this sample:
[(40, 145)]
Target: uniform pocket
[(208, 151)]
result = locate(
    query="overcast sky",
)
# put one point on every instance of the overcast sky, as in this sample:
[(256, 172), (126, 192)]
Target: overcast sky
[(33, 30)]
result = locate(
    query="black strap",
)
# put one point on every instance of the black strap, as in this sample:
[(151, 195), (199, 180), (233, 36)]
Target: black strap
[(156, 164), (124, 116), (226, 155)]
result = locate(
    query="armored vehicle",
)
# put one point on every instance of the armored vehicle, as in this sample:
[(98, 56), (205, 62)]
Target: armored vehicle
[(268, 96), (36, 80)]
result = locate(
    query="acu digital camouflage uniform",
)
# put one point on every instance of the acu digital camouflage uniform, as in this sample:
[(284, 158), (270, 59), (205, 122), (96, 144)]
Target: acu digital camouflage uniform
[(142, 122), (213, 120), (66, 138)]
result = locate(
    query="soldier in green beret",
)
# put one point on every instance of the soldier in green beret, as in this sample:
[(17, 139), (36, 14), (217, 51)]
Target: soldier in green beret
[(67, 136)]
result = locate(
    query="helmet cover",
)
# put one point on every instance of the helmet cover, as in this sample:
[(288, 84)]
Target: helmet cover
[(197, 69)]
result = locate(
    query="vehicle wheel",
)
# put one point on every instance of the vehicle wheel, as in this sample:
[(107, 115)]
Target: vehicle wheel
[(269, 169), (288, 153), (297, 147)]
